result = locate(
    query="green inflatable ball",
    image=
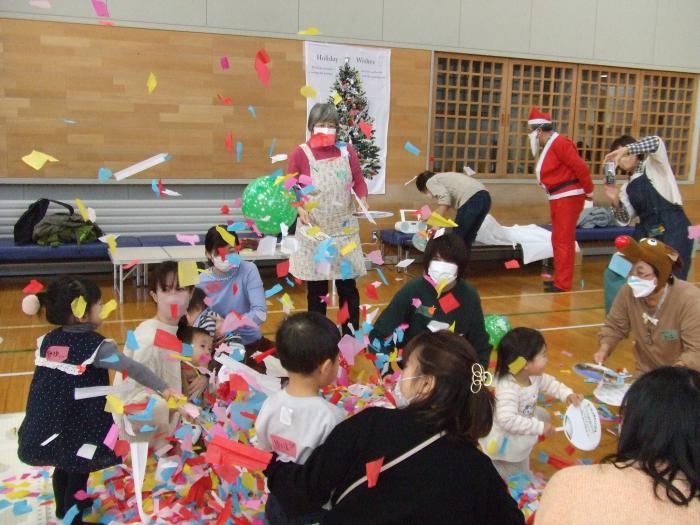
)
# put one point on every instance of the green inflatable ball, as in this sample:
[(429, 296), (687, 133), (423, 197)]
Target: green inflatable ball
[(496, 326), (269, 205)]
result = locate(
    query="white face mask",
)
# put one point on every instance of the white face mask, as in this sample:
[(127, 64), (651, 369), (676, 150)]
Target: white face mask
[(440, 271), (222, 265), (401, 400), (534, 143), (324, 130), (641, 287)]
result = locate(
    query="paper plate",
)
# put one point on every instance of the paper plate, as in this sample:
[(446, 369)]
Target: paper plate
[(611, 393), (598, 373), (582, 425), (374, 214)]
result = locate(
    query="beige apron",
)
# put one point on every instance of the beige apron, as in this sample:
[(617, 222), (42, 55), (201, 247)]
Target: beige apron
[(331, 180)]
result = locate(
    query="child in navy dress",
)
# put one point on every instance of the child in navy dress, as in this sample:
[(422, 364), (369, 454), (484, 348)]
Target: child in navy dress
[(57, 427)]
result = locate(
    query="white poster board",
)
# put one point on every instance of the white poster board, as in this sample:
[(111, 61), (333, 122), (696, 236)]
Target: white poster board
[(322, 62)]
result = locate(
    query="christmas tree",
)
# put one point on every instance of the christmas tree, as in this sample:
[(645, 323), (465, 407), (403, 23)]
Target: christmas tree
[(356, 124)]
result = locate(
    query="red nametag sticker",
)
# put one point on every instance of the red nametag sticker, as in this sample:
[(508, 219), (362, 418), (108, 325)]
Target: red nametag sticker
[(57, 354), (448, 303), (283, 446)]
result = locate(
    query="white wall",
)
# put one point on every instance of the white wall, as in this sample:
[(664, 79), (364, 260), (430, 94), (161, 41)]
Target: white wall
[(656, 34)]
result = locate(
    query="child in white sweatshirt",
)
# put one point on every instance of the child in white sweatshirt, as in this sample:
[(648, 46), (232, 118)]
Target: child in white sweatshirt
[(518, 421)]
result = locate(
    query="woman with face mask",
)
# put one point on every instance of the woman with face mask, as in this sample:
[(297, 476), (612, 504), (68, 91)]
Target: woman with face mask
[(438, 300), (234, 285), (660, 312), (564, 176), (431, 468), (333, 170)]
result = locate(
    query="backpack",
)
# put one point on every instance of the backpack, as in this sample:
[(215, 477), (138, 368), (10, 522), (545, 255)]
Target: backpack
[(59, 228), (24, 227)]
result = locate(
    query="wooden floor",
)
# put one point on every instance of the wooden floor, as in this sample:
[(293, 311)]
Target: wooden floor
[(570, 322)]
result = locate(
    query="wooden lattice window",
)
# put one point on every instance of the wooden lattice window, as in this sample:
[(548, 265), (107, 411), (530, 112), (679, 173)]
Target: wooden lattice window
[(605, 110), (467, 113), (667, 109), (549, 86)]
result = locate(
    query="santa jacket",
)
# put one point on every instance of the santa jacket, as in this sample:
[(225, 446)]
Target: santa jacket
[(561, 170)]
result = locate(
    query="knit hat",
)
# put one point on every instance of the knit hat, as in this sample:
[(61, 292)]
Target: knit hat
[(653, 252), (537, 117)]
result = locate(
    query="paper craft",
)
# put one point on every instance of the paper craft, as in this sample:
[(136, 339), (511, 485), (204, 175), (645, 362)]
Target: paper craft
[(86, 451), (371, 292), (308, 92), (582, 425), (113, 404), (101, 10), (37, 159), (438, 221), (372, 470), (619, 265), (517, 365), (187, 274), (376, 257), (611, 393), (448, 303), (411, 148), (239, 151), (694, 231), (78, 306), (187, 238), (425, 212), (251, 110), (167, 341), (107, 309), (272, 291), (282, 268), (278, 158), (226, 236), (309, 31), (21, 507), (141, 166), (512, 264), (34, 287), (131, 342), (223, 62), (151, 83), (436, 326), (405, 263), (349, 348), (221, 450), (112, 436)]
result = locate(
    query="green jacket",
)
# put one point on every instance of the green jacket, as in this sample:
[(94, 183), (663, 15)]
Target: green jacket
[(468, 316)]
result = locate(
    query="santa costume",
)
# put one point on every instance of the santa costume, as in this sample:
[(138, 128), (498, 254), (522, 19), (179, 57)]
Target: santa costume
[(565, 178)]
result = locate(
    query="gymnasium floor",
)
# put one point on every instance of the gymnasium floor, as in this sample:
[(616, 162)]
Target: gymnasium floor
[(570, 322)]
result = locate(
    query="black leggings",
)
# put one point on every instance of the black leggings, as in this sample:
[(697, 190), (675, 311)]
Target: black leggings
[(347, 293), (65, 485)]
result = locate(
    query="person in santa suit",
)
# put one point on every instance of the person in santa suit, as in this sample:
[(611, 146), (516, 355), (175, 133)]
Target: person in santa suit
[(564, 176)]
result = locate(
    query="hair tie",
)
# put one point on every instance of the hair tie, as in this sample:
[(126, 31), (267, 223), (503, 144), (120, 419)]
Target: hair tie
[(480, 377)]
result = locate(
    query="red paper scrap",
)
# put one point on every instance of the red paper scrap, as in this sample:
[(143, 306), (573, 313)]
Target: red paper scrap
[(234, 288), (122, 448), (343, 314), (174, 311), (448, 303), (131, 264), (371, 292), (225, 210), (167, 341), (373, 468), (34, 286), (283, 268), (513, 264), (570, 449), (229, 143), (226, 101), (261, 356), (238, 383), (558, 462), (221, 450), (261, 61)]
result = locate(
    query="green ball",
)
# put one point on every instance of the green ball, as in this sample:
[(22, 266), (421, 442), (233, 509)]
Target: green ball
[(496, 326), (268, 205)]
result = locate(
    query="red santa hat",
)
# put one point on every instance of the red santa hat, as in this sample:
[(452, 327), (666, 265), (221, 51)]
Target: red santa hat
[(537, 117)]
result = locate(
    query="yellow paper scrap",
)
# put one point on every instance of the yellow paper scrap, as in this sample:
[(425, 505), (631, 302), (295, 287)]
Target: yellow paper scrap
[(187, 274), (280, 179), (78, 306), (176, 402), (348, 248), (226, 236), (452, 327), (17, 494), (214, 480), (82, 209), (108, 308), (249, 481), (285, 299), (309, 31), (492, 448), (151, 83), (313, 231), (348, 230), (114, 404), (37, 159), (439, 221), (517, 365), (441, 285), (308, 92), (337, 99)]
